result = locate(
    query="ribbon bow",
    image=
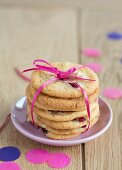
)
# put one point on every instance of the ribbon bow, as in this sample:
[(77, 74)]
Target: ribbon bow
[(59, 75)]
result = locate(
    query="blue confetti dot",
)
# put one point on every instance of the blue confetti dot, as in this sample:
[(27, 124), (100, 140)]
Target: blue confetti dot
[(114, 35), (9, 153)]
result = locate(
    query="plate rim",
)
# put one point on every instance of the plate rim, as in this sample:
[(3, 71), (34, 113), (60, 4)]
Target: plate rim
[(49, 141)]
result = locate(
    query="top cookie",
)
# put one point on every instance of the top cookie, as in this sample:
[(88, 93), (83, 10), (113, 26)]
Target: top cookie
[(61, 88)]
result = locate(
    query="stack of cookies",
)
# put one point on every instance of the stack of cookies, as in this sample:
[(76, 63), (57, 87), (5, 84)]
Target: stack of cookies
[(60, 109)]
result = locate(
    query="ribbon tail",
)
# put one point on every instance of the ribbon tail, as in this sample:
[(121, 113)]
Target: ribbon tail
[(37, 94), (19, 73), (87, 106), (5, 122), (30, 69)]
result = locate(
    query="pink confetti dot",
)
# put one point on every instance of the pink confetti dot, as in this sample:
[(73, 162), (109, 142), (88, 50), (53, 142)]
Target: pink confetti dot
[(9, 166), (92, 52), (112, 93), (96, 67), (37, 156), (59, 160)]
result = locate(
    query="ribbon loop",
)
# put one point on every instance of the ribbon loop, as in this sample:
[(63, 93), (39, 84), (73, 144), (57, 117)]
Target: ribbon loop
[(42, 61)]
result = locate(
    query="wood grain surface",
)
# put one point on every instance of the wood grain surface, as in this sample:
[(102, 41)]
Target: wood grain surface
[(59, 34), (26, 34), (105, 152)]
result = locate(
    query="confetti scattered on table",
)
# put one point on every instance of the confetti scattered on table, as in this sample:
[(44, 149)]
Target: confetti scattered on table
[(59, 160), (9, 153), (37, 156), (21, 75), (96, 67), (9, 166), (112, 92), (114, 35), (92, 52)]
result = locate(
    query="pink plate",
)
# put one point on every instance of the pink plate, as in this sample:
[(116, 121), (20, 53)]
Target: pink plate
[(18, 117)]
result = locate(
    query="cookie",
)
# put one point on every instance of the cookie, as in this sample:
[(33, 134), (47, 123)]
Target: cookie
[(60, 125), (56, 136), (46, 102), (62, 89), (64, 116), (68, 131), (67, 136), (65, 133)]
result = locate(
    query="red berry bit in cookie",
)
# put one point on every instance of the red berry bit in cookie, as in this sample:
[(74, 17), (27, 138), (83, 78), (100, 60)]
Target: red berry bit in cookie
[(81, 119)]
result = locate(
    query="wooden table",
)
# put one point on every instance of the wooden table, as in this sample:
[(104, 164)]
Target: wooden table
[(59, 33)]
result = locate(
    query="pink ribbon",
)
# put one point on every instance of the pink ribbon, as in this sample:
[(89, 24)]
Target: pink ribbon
[(59, 75)]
